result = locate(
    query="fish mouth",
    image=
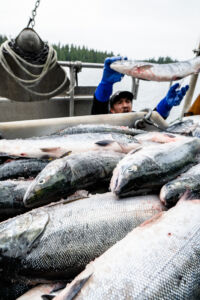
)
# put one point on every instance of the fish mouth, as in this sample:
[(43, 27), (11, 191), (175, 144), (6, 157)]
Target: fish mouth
[(37, 198), (29, 198)]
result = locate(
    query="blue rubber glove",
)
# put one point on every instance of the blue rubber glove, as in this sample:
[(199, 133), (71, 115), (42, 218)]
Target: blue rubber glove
[(173, 98), (104, 89)]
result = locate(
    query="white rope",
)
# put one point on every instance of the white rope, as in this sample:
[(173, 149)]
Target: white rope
[(48, 65)]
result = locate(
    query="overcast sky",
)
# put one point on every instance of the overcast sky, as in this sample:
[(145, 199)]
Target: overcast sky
[(137, 29)]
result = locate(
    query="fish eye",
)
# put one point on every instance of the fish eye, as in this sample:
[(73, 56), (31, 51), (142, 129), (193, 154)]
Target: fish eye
[(132, 168), (41, 181)]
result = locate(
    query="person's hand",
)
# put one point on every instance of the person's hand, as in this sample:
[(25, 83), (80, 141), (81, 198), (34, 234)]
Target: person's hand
[(175, 95), (173, 98), (104, 89), (109, 75)]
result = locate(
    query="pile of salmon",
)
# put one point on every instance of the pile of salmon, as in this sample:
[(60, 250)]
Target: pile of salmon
[(101, 212)]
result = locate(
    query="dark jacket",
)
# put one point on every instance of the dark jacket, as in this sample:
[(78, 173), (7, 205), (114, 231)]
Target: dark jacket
[(99, 108)]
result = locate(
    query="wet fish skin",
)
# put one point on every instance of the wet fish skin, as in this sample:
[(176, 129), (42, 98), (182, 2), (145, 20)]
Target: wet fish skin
[(158, 260), (98, 128), (150, 168), (11, 198), (10, 290), (171, 192), (64, 176), (59, 146), (157, 72), (56, 242), (185, 127), (21, 168), (152, 137)]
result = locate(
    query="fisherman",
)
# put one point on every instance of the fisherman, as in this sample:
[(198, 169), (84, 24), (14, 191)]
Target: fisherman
[(121, 101)]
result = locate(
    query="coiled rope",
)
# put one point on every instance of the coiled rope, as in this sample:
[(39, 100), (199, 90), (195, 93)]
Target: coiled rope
[(48, 65)]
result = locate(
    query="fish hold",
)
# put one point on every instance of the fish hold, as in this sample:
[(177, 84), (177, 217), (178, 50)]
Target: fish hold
[(56, 242), (11, 198), (158, 260), (64, 176), (150, 168), (21, 168), (172, 191), (99, 128), (59, 146), (157, 72)]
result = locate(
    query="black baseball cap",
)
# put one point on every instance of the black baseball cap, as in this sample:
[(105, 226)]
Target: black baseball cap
[(120, 94)]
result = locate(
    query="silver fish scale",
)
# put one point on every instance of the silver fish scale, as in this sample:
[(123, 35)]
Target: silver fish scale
[(73, 234), (157, 261)]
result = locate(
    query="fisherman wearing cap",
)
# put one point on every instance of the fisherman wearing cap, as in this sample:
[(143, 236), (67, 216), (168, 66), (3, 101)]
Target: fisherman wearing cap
[(121, 101)]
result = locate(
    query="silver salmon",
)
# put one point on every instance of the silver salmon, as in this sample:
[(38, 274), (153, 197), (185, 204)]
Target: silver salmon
[(56, 242), (148, 169), (99, 128), (64, 176), (171, 192), (159, 260), (157, 72), (21, 168), (59, 146), (185, 127)]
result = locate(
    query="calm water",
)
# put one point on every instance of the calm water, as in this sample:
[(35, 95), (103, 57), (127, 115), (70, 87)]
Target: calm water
[(149, 93)]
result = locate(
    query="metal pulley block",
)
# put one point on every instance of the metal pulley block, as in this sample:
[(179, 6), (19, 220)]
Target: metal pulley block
[(141, 123), (29, 70), (150, 121)]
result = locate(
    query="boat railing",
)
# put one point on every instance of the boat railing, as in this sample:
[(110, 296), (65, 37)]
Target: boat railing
[(77, 92), (75, 102)]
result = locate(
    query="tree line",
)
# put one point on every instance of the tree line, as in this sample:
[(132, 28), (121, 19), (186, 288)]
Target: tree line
[(73, 53), (82, 53)]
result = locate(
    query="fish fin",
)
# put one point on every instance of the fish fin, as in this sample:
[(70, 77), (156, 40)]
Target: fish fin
[(47, 157), (58, 286), (134, 150), (190, 195), (66, 154), (75, 288), (104, 143), (171, 135), (50, 149), (48, 297)]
